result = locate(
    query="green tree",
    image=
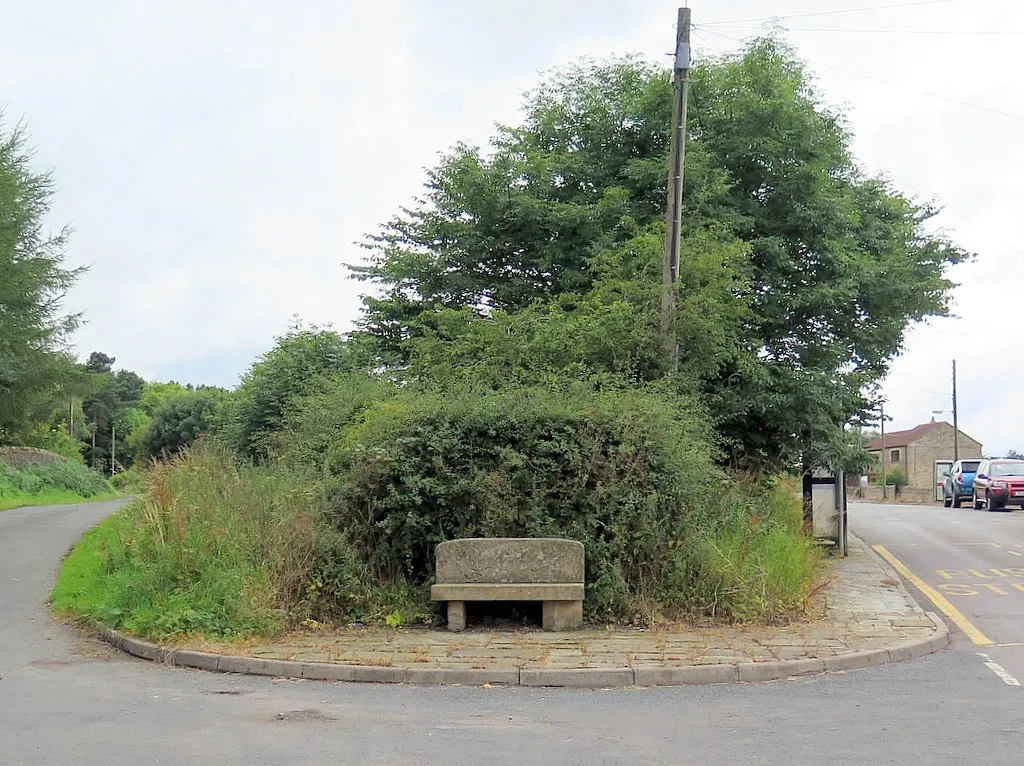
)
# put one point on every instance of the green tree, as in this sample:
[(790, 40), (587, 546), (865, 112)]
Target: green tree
[(799, 275), (180, 420), (840, 263), (108, 412), (58, 404), (295, 367), (155, 393), (33, 283)]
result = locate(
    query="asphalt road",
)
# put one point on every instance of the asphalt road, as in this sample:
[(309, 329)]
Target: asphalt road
[(971, 564), (65, 699)]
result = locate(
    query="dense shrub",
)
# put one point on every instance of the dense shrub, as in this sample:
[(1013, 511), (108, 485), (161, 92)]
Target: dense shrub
[(53, 439), (896, 477), (129, 481), (228, 549), (627, 473), (316, 421)]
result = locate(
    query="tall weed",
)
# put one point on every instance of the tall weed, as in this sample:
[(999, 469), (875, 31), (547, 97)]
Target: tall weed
[(215, 547), (753, 561)]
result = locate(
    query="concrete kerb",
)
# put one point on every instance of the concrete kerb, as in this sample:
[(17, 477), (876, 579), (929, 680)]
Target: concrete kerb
[(591, 678), (580, 678)]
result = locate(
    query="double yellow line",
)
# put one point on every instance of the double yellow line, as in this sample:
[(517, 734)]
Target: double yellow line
[(940, 601)]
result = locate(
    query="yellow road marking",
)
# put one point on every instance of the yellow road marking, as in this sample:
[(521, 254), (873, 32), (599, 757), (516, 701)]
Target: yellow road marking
[(940, 601), (1018, 643)]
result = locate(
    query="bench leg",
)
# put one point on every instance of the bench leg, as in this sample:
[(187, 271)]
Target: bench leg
[(456, 616), (563, 615)]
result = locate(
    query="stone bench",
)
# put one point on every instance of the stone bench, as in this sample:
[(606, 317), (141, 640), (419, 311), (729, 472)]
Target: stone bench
[(549, 570)]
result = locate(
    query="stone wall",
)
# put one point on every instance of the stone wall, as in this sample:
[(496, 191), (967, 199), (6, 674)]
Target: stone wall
[(913, 495)]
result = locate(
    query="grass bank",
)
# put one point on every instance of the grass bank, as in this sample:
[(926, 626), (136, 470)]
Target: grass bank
[(34, 477), (213, 548)]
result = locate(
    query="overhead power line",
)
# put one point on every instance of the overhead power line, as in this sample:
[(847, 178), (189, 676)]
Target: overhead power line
[(918, 390), (948, 99), (839, 30), (827, 13), (989, 109)]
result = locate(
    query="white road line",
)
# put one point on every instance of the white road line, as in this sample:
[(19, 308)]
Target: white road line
[(1015, 553), (990, 545), (998, 670)]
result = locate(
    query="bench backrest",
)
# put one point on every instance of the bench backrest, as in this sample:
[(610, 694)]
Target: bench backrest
[(510, 560)]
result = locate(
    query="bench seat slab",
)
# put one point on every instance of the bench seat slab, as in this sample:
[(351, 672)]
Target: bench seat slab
[(507, 592)]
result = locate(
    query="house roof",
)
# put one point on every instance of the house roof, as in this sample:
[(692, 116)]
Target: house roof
[(903, 438)]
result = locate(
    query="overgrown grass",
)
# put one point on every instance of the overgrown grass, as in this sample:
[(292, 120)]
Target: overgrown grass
[(56, 482), (215, 548), (758, 565)]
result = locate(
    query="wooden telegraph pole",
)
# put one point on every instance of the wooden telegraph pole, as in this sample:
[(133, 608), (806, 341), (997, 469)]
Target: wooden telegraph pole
[(674, 207)]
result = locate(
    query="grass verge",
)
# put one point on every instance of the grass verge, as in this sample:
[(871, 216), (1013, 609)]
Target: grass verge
[(40, 478), (52, 497)]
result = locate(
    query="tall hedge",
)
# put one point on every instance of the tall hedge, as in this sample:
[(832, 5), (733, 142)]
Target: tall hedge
[(624, 472)]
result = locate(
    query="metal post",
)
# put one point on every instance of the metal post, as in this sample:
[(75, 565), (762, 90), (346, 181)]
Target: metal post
[(885, 481), (841, 511), (956, 428)]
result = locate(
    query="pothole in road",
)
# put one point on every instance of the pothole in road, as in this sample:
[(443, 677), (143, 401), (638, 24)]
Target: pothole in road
[(310, 714)]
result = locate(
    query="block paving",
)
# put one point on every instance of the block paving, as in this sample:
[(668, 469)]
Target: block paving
[(864, 607)]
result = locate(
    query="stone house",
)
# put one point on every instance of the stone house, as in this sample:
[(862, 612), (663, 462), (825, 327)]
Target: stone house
[(917, 449)]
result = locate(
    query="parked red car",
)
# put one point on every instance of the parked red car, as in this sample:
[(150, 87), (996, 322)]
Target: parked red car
[(998, 483)]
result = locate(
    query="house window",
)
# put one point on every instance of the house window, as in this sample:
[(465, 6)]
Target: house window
[(894, 456)]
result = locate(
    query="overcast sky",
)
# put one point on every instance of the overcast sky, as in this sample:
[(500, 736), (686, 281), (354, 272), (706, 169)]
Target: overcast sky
[(218, 158)]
